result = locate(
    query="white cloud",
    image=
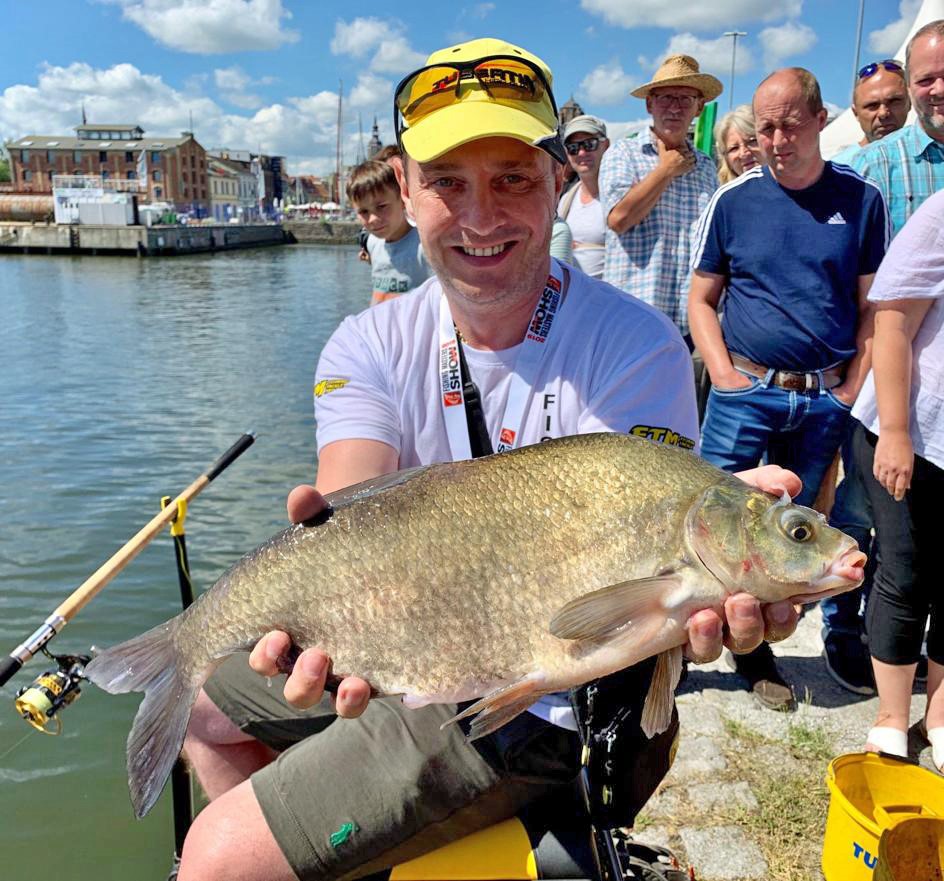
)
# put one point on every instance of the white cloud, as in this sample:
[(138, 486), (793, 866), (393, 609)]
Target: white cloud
[(371, 93), (606, 84), (713, 56), (481, 10), (785, 41), (716, 15), (392, 51), (887, 40), (209, 27), (617, 130), (234, 84), (303, 129)]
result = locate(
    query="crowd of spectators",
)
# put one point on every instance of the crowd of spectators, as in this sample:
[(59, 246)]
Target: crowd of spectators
[(811, 341)]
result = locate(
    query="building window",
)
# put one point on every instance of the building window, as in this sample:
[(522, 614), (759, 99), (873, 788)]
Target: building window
[(27, 175), (155, 155), (183, 174), (156, 175), (50, 157), (102, 155), (76, 155), (129, 156), (104, 175), (132, 175), (158, 192), (193, 161), (24, 155)]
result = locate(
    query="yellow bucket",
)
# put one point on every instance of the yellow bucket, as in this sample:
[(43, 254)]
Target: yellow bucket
[(870, 793)]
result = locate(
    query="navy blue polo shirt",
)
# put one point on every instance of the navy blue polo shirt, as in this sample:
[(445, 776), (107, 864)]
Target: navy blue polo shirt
[(792, 260)]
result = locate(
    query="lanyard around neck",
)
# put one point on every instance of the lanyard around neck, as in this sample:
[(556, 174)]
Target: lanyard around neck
[(533, 347)]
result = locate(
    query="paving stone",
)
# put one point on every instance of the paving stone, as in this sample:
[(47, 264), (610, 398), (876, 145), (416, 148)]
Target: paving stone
[(667, 802), (698, 717), (723, 853), (709, 795), (659, 836), (697, 755)]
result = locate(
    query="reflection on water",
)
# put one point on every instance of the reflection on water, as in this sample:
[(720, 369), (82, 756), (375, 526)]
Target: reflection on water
[(121, 381)]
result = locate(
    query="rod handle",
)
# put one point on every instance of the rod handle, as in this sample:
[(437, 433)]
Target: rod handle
[(8, 668), (233, 453)]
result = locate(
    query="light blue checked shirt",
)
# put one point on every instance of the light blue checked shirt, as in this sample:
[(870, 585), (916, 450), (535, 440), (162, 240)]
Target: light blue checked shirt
[(650, 260), (907, 165)]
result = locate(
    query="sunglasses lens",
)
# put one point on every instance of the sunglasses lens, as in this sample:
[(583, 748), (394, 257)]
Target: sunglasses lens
[(429, 90), (510, 80)]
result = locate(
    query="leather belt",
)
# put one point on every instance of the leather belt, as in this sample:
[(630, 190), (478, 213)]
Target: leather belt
[(789, 379)]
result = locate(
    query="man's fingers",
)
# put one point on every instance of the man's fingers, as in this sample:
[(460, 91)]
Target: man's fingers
[(745, 623), (304, 502), (780, 619), (704, 637), (353, 695), (271, 654), (305, 684)]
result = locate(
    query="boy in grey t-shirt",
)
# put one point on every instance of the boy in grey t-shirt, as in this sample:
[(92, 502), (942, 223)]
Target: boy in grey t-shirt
[(396, 256)]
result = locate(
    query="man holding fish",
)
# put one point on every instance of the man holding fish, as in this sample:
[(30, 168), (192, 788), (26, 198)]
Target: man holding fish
[(503, 349)]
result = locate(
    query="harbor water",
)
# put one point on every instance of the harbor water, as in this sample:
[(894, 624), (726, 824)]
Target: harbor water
[(122, 380)]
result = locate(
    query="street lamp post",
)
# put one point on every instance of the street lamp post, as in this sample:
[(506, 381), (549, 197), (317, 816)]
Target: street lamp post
[(734, 46)]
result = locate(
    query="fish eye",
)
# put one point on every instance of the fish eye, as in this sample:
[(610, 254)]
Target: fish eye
[(796, 526)]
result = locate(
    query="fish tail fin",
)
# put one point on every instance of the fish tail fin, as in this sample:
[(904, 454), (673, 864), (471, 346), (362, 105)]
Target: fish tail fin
[(657, 710), (149, 663)]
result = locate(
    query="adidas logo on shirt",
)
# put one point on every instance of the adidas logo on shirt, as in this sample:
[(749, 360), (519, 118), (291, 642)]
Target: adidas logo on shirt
[(837, 218)]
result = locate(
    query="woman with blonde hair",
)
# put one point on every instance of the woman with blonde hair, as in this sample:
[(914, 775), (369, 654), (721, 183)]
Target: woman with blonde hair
[(735, 143)]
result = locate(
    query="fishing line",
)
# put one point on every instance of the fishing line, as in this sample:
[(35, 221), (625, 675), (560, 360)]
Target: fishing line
[(15, 745)]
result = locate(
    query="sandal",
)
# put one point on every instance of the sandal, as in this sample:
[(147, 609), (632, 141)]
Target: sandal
[(894, 742), (935, 736)]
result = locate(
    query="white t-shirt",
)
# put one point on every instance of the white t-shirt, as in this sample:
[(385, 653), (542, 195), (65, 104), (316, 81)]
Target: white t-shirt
[(612, 363), (588, 226), (913, 268)]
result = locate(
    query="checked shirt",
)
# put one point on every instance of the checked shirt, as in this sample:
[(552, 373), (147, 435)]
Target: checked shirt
[(651, 260), (907, 165)]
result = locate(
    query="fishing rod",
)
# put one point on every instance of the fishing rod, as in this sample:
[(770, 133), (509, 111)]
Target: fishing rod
[(52, 691)]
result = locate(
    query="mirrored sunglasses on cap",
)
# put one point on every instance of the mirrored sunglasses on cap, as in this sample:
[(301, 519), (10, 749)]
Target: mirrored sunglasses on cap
[(505, 79), (889, 64)]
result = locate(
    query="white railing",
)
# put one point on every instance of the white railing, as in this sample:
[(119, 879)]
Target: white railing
[(97, 182)]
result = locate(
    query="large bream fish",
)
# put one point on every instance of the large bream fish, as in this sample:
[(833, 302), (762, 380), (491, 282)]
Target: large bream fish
[(506, 578)]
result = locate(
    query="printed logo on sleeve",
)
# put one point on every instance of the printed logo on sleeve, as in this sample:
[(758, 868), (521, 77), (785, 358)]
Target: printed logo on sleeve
[(662, 435), (325, 386)]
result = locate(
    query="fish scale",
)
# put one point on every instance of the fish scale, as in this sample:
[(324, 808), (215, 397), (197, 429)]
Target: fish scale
[(510, 576)]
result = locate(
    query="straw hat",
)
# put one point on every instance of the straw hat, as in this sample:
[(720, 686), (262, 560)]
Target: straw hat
[(682, 70)]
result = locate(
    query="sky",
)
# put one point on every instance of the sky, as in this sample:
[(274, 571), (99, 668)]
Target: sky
[(264, 75)]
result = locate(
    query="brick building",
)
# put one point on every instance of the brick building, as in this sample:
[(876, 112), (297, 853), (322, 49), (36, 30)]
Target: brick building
[(174, 169)]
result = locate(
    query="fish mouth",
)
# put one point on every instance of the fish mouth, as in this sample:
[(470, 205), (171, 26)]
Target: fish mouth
[(843, 573)]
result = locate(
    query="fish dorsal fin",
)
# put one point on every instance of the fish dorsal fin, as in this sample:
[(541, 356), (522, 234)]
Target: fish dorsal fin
[(657, 710), (372, 486), (597, 614)]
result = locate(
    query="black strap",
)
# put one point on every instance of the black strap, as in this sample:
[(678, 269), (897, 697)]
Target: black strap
[(479, 441)]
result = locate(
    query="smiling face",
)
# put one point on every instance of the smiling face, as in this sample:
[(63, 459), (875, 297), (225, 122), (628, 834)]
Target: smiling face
[(926, 83), (881, 104), (672, 109), (484, 212), (787, 130), (740, 151)]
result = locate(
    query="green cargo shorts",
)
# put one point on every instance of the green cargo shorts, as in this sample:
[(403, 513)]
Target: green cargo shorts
[(349, 797)]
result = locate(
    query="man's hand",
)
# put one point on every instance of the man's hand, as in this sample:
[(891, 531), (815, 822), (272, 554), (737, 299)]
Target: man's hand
[(731, 381), (745, 622), (273, 653), (846, 393), (675, 161)]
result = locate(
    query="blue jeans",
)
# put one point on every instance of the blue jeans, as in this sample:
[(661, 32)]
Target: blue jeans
[(851, 514), (797, 430)]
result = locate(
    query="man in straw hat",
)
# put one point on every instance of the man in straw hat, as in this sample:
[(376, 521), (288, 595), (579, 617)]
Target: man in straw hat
[(482, 174), (655, 186)]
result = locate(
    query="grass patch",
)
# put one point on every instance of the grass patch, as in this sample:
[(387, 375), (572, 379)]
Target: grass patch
[(809, 742)]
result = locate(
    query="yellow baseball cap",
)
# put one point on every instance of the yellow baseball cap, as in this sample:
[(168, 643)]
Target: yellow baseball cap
[(479, 89)]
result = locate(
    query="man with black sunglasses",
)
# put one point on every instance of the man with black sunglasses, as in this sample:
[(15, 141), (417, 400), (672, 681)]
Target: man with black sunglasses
[(545, 352), (880, 103), (585, 141)]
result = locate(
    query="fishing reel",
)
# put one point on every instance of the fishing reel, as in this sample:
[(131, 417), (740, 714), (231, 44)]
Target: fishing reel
[(40, 701)]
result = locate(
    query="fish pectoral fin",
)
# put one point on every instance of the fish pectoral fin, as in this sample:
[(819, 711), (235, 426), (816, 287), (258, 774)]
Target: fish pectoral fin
[(598, 614), (657, 710), (499, 706)]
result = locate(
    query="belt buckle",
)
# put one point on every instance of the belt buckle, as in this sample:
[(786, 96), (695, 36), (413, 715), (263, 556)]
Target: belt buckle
[(809, 381)]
